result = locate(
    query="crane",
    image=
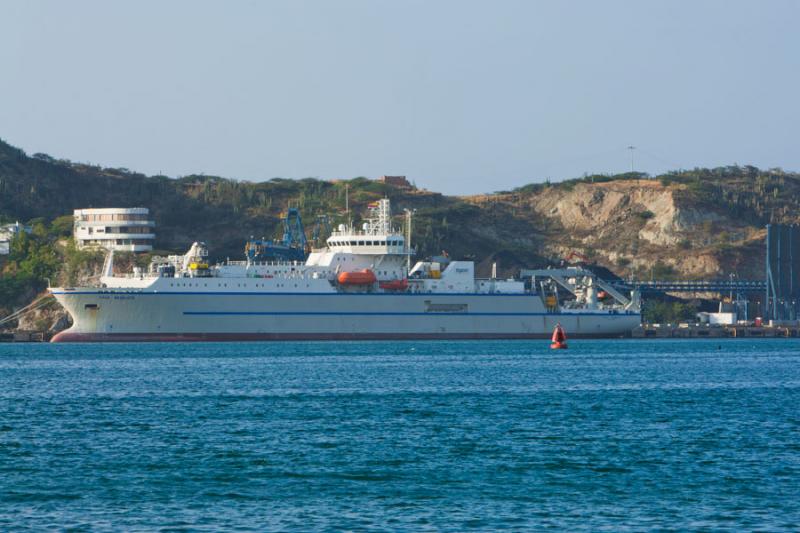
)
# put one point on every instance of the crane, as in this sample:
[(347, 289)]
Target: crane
[(291, 247)]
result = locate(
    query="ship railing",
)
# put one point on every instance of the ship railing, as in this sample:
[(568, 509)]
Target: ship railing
[(600, 307), (131, 275), (264, 263), (376, 233)]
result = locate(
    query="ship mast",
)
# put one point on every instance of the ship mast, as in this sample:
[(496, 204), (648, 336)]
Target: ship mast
[(380, 221)]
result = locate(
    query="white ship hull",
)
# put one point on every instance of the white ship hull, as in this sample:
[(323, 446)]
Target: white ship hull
[(151, 315)]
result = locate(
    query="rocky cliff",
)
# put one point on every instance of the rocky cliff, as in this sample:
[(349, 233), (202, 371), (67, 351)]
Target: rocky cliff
[(635, 224)]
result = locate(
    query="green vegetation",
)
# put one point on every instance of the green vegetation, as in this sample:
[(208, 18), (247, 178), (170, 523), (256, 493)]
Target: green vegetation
[(661, 271), (623, 261), (32, 260), (663, 312), (588, 178), (77, 262), (757, 196), (225, 212), (37, 258)]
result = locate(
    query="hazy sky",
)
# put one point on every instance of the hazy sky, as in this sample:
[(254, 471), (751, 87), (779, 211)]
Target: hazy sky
[(461, 97)]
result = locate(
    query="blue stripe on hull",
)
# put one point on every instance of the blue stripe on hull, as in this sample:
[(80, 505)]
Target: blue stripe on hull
[(151, 292), (389, 313)]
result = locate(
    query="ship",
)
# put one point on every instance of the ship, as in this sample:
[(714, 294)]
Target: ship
[(360, 286)]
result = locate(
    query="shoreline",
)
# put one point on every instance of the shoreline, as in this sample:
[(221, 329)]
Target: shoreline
[(643, 332)]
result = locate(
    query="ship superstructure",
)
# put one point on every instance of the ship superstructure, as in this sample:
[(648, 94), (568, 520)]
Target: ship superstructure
[(359, 286)]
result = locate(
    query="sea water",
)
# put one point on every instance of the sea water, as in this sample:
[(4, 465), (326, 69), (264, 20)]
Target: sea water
[(401, 436)]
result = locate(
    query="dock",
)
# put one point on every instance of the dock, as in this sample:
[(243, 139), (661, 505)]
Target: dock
[(25, 336), (677, 331)]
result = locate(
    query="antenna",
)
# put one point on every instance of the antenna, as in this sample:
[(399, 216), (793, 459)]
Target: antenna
[(347, 205), (631, 148), (409, 214)]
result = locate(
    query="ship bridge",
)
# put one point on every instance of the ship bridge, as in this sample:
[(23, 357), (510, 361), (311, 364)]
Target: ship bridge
[(376, 236)]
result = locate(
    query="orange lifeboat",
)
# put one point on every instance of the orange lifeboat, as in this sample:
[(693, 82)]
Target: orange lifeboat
[(359, 277), (394, 285), (559, 340)]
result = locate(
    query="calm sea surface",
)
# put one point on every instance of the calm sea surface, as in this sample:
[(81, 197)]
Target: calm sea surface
[(401, 435)]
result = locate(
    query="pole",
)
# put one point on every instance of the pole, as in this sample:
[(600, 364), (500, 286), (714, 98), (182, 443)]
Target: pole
[(409, 212), (631, 148), (768, 276)]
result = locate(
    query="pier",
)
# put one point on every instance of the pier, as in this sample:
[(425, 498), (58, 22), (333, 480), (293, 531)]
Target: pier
[(24, 336), (678, 331)]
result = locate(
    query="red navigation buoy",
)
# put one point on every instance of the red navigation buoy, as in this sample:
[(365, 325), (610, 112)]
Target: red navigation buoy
[(559, 340)]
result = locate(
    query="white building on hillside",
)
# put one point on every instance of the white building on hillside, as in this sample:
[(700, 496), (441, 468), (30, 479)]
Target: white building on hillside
[(120, 229), (7, 234)]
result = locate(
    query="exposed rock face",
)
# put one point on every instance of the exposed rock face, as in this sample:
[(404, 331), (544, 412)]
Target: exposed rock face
[(599, 207), (51, 318), (632, 224)]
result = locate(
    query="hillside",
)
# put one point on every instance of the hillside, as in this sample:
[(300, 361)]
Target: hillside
[(701, 223), (225, 212)]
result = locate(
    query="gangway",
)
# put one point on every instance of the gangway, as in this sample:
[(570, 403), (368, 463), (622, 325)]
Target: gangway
[(576, 279)]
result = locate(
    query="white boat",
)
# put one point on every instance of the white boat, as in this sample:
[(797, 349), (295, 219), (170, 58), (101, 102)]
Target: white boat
[(360, 286)]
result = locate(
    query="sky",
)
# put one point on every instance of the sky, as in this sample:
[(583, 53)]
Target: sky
[(462, 97)]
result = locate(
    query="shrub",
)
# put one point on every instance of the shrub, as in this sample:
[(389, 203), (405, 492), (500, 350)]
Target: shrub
[(657, 312), (62, 226), (662, 271)]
